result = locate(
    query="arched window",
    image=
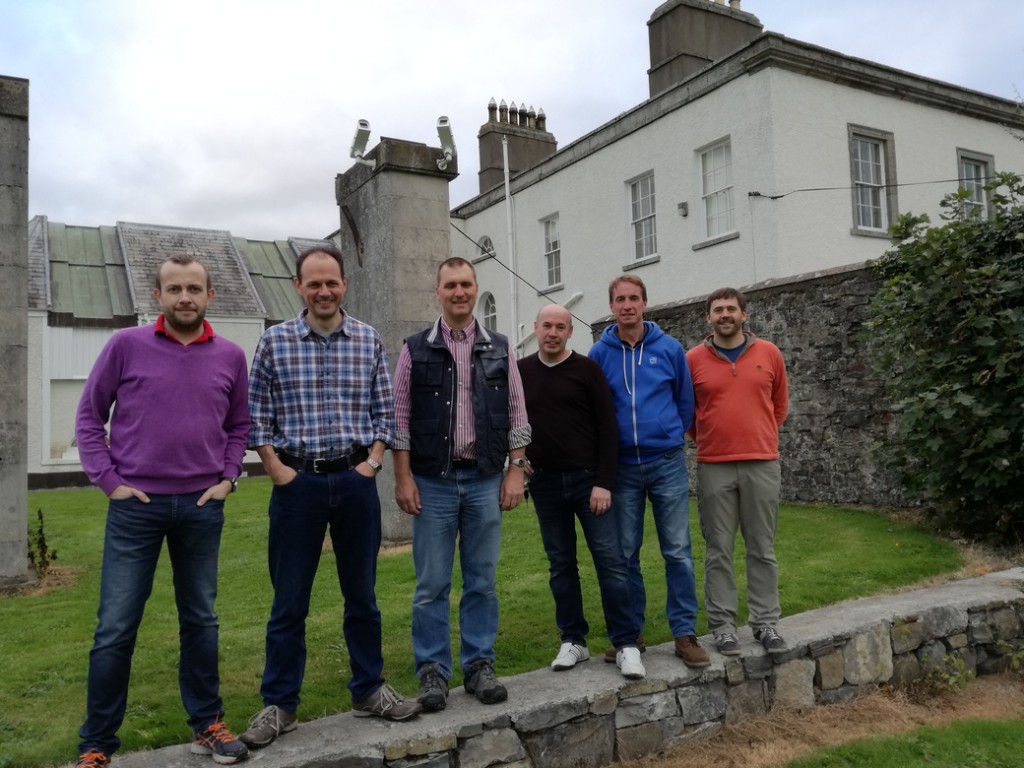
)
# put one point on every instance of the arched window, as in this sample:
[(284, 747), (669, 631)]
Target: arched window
[(486, 248), (490, 312)]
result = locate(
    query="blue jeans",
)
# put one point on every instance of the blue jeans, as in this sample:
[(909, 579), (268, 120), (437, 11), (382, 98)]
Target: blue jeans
[(463, 507), (300, 514), (135, 533), (561, 498), (664, 482)]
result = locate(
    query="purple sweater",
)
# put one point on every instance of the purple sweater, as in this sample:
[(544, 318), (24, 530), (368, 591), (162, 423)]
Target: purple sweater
[(181, 419)]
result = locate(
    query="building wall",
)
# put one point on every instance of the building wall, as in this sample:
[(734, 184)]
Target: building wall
[(788, 132)]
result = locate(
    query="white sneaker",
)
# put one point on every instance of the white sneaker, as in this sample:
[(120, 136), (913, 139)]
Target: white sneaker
[(569, 655), (628, 660)]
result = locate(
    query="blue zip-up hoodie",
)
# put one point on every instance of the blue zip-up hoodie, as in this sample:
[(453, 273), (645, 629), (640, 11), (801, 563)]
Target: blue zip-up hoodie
[(652, 389)]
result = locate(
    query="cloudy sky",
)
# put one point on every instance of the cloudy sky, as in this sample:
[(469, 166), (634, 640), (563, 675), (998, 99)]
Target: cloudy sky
[(238, 114)]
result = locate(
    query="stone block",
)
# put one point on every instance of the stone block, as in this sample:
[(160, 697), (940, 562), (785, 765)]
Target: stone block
[(425, 745), (750, 699), (906, 670), (638, 741), (491, 748), (944, 620), (842, 695), (1005, 624), (700, 704), (734, 672), (758, 667), (907, 636), (867, 657), (794, 685), (830, 670), (957, 641), (604, 703), (582, 743), (978, 628), (823, 647), (550, 715), (646, 709), (440, 760)]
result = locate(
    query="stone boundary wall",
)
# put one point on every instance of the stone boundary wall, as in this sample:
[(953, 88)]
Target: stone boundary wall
[(838, 408), (591, 716)]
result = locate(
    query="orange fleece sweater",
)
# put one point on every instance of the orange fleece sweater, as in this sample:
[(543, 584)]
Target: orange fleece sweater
[(739, 406)]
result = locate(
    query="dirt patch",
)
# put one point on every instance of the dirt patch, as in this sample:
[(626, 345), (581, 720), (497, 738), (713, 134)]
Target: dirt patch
[(780, 737), (58, 577)]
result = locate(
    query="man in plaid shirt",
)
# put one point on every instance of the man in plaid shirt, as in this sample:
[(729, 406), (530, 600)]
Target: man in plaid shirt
[(322, 416)]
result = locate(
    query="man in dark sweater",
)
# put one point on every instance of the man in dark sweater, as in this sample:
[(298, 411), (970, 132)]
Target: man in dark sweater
[(574, 458)]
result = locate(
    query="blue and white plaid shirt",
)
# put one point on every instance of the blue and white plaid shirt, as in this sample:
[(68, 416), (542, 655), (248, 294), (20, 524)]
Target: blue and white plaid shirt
[(317, 397)]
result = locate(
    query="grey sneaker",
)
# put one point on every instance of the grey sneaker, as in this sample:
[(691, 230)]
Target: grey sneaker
[(388, 703), (770, 639), (480, 680), (266, 725), (433, 688), (727, 644)]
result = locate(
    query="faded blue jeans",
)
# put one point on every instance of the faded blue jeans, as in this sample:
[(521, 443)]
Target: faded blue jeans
[(135, 533), (664, 482), (463, 507)]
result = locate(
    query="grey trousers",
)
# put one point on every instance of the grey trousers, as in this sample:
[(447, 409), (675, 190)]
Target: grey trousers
[(741, 495)]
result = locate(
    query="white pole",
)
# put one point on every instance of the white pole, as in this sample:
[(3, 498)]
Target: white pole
[(512, 286)]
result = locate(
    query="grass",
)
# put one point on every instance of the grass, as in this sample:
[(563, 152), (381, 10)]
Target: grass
[(826, 554), (969, 744)]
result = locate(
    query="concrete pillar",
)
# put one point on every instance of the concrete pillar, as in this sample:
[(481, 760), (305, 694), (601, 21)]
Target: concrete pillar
[(13, 331), (395, 231)]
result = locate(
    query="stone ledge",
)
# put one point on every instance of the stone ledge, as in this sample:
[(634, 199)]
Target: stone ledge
[(592, 716)]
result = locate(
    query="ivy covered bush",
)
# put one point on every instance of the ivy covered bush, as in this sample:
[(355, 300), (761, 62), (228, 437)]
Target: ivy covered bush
[(947, 333)]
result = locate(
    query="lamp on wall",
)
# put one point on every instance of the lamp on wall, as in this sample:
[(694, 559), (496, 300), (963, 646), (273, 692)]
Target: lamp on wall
[(444, 133), (359, 142)]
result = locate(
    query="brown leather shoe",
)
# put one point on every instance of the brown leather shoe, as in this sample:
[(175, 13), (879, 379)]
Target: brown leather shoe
[(609, 655), (689, 650)]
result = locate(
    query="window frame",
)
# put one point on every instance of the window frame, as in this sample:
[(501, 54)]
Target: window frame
[(988, 164), (552, 252), (489, 311), (725, 191), (886, 185), (648, 215), (485, 249)]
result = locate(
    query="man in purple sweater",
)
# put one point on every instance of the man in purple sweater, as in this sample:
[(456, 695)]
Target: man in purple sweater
[(177, 438)]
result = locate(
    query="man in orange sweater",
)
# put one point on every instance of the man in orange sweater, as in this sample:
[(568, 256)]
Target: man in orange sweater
[(742, 398)]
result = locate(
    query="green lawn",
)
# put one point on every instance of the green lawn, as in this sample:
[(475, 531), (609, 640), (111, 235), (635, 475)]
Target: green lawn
[(826, 554)]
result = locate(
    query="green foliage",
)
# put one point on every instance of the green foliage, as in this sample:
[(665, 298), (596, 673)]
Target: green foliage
[(950, 675), (947, 332), (40, 555)]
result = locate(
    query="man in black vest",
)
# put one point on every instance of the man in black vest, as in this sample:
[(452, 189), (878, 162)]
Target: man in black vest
[(459, 412)]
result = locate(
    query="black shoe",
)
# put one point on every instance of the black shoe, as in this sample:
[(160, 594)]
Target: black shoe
[(770, 639), (728, 644), (481, 681), (433, 688)]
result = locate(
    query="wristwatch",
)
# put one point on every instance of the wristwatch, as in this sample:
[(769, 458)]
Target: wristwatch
[(233, 481), (375, 465), (521, 463)]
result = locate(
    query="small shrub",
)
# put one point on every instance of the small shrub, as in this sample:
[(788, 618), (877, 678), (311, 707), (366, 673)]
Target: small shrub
[(948, 676), (40, 555)]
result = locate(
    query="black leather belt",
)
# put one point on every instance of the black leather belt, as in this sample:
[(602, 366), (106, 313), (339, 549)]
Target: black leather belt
[(324, 466), (464, 464)]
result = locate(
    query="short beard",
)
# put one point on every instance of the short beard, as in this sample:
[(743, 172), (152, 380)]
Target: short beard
[(180, 327)]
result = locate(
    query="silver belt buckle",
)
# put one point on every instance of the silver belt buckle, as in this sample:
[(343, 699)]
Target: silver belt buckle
[(317, 463)]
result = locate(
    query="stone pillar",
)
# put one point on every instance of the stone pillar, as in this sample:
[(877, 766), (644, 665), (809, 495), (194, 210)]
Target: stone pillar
[(13, 331), (395, 231)]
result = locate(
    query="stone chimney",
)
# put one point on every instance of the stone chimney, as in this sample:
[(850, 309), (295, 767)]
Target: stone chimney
[(688, 35), (529, 142)]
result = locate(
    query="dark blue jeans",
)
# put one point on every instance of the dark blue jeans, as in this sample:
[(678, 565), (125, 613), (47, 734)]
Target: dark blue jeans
[(135, 533), (561, 498), (301, 512)]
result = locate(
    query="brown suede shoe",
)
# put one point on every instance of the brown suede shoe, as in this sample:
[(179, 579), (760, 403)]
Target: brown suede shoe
[(689, 650), (609, 655)]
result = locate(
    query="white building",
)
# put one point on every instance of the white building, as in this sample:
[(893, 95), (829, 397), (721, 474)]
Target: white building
[(756, 157)]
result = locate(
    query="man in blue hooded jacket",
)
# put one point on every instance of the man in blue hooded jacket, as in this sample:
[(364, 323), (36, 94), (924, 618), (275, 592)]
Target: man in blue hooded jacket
[(653, 395)]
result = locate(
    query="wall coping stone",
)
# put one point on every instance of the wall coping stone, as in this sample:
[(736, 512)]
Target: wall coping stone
[(564, 716)]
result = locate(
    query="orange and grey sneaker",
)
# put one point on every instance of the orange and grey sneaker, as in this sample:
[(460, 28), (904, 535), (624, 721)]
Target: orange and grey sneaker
[(93, 759), (218, 741)]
